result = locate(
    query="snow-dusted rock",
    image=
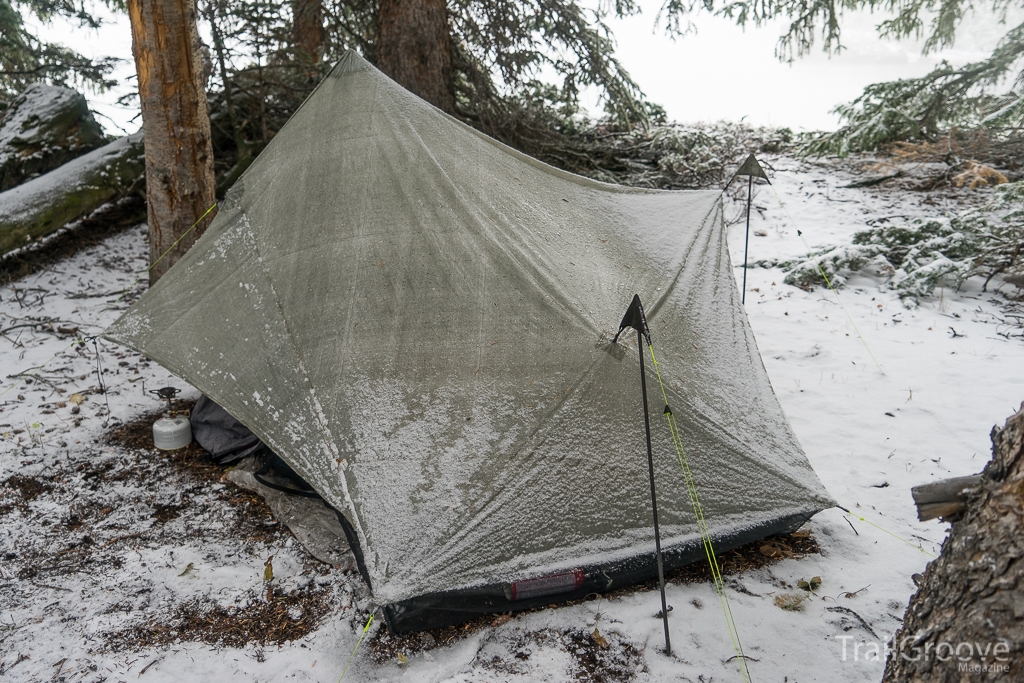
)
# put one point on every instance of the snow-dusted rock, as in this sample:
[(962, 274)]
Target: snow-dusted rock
[(46, 126)]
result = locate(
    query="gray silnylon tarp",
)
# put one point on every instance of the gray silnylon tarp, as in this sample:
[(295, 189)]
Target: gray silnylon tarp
[(417, 318)]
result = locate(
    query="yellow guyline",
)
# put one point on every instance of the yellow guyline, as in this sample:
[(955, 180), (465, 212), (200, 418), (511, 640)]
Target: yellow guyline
[(81, 340), (828, 282), (356, 649), (698, 511), (886, 531)]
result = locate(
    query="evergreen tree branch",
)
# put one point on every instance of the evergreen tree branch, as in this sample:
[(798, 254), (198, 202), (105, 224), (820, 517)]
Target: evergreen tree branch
[(922, 109)]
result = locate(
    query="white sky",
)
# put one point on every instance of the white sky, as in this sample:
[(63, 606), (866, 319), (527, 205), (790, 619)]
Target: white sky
[(725, 72), (722, 72)]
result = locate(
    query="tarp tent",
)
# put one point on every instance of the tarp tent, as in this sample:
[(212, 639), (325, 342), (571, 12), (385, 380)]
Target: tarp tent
[(417, 319)]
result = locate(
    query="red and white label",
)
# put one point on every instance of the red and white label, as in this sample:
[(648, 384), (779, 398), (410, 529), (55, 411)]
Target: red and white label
[(547, 585)]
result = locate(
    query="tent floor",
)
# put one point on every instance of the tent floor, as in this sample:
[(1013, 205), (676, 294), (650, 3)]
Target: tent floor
[(439, 610), (311, 521), (317, 528)]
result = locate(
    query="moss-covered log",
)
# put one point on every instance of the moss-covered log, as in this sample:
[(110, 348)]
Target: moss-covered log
[(47, 203)]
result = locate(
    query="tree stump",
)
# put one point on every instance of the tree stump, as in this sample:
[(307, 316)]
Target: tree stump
[(966, 621), (945, 499)]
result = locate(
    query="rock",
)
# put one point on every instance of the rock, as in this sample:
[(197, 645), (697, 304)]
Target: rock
[(45, 127), (790, 602)]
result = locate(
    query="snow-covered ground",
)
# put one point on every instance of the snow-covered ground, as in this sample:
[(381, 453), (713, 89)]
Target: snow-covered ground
[(100, 546)]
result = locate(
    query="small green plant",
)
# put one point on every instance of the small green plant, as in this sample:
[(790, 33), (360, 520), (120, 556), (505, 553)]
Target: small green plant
[(809, 585)]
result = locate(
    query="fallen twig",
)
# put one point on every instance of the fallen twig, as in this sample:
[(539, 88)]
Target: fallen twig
[(877, 180), (53, 588), (859, 618), (145, 668), (746, 657)]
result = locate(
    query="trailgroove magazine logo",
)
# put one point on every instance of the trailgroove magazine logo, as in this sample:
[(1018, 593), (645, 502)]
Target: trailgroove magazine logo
[(970, 657)]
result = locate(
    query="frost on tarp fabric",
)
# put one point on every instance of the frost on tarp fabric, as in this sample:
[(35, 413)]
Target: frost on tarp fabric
[(417, 319)]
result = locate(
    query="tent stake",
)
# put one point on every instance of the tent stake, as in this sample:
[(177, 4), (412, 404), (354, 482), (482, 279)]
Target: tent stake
[(746, 241), (654, 495)]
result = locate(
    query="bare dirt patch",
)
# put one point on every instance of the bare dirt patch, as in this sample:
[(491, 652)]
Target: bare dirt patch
[(254, 519), (137, 435), (602, 660), (28, 488), (124, 509), (277, 618)]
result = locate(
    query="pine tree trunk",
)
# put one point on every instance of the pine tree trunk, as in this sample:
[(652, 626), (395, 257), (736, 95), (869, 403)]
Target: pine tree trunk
[(176, 126), (414, 47), (308, 34), (966, 621)]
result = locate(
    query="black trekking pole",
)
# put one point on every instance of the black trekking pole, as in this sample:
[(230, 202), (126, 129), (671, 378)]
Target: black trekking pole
[(636, 319), (746, 240), (751, 169)]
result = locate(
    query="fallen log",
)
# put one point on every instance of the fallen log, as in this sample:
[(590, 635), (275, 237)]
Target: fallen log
[(877, 180), (945, 499), (47, 203)]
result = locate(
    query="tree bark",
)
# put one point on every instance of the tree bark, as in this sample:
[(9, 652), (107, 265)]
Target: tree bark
[(966, 621), (176, 126), (308, 34), (414, 47)]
